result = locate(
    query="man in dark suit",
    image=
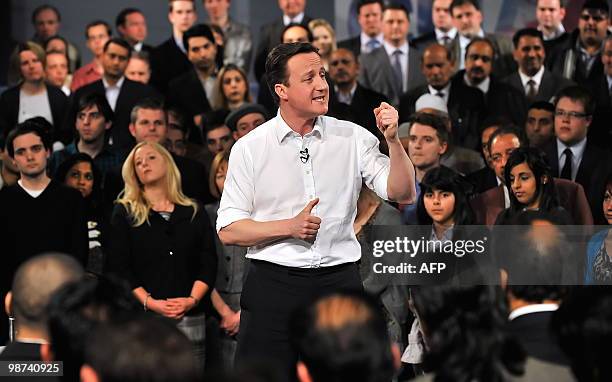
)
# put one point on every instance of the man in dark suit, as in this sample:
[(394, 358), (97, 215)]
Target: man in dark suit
[(501, 100), (485, 179), (444, 31), (121, 93), (468, 21), (352, 101), (573, 155), (393, 68), (369, 17), (465, 104), (550, 15), (270, 34), (532, 78), (132, 26), (600, 130), (169, 60)]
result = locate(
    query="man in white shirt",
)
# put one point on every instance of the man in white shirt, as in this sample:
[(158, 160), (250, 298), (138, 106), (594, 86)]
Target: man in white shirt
[(444, 31), (290, 196)]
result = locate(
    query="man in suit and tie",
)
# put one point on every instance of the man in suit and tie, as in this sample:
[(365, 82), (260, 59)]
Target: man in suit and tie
[(132, 26), (465, 104), (369, 17), (532, 78), (393, 68), (121, 93), (467, 18), (444, 31), (270, 34), (169, 60), (572, 155)]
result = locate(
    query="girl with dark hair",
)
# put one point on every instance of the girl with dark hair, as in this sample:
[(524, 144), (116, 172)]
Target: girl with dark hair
[(231, 89), (598, 268), (530, 186)]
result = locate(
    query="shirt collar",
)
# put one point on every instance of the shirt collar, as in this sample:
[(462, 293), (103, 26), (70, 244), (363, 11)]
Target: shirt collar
[(534, 308), (464, 41), (179, 43), (390, 48), (577, 149), (537, 77), (283, 130), (296, 20), (117, 85), (440, 35), (365, 38), (558, 32), (138, 46), (445, 90)]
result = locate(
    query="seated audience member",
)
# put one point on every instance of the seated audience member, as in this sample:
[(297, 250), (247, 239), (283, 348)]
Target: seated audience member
[(530, 186), (27, 302), (9, 172), (79, 171), (176, 139), (330, 336), (501, 99), (245, 119), (444, 31), (598, 268), (121, 93), (485, 179), (232, 267), (351, 101), (217, 135), (532, 78), (76, 309), (132, 26), (149, 123), (192, 91), (231, 89), (324, 39), (32, 97), (582, 328), (46, 20), (575, 156), (142, 348), (540, 124), (156, 230), (139, 67), (460, 337), (369, 17), (97, 33), (465, 104), (392, 69), (56, 71)]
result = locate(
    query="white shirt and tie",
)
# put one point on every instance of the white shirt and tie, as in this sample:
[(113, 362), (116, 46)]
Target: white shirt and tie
[(443, 93), (112, 91), (537, 80), (577, 153), (399, 54), (445, 38), (293, 20), (368, 44)]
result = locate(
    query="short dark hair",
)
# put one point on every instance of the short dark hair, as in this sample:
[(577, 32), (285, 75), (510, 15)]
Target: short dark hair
[(459, 3), (150, 103), (531, 32), (28, 127), (123, 14), (509, 130), (55, 37), (276, 63), (363, 3), (343, 337), (542, 105), (126, 351), (119, 41), (446, 179), (214, 119), (296, 25), (45, 7), (397, 7), (99, 100), (198, 30), (476, 40), (435, 122), (95, 23), (62, 172), (600, 5), (577, 93)]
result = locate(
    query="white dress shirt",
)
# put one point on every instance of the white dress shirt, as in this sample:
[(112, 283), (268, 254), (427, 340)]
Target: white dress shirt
[(445, 91), (293, 20), (364, 38), (537, 78), (266, 181), (440, 35), (403, 62), (112, 91), (577, 152)]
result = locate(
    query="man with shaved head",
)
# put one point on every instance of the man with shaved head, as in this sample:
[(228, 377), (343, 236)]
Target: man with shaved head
[(35, 282)]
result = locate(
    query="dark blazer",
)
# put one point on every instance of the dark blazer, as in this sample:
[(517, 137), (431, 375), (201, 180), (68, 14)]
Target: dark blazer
[(465, 108), (167, 62), (423, 41), (572, 198), (482, 180), (533, 332), (594, 169), (194, 179), (353, 44), (600, 131), (551, 47), (376, 73), (550, 85), (503, 64), (9, 109), (131, 93), (187, 93), (269, 37)]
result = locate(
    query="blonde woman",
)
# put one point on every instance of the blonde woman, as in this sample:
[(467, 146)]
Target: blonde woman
[(161, 242), (324, 39), (232, 88)]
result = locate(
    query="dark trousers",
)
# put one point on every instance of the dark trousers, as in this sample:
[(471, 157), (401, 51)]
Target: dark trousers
[(269, 296)]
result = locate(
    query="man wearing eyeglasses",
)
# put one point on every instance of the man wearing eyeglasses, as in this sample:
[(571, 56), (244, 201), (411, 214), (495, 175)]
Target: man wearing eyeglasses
[(572, 155), (580, 58)]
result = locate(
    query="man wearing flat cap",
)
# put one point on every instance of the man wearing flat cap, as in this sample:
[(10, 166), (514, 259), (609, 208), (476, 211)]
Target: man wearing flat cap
[(246, 118)]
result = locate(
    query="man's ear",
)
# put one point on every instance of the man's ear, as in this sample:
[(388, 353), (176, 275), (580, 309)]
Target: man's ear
[(503, 279), (281, 91), (8, 303), (397, 357), (46, 354), (132, 129), (88, 374), (302, 372), (443, 148)]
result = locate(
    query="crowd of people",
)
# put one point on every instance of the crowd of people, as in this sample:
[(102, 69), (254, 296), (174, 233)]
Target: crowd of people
[(164, 217)]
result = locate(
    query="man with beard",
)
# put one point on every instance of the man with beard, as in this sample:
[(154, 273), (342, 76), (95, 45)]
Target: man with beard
[(190, 91)]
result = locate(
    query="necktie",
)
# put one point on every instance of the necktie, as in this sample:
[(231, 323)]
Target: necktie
[(446, 40), (397, 70), (440, 94), (566, 173), (372, 44), (531, 89)]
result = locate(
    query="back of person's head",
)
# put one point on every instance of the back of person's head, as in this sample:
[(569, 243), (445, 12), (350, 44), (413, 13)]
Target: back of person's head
[(78, 308), (342, 337), (142, 348), (582, 326), (446, 179), (35, 282), (29, 126), (463, 328)]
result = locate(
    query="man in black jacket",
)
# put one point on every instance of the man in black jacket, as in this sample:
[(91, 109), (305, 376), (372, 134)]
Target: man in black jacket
[(369, 17)]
